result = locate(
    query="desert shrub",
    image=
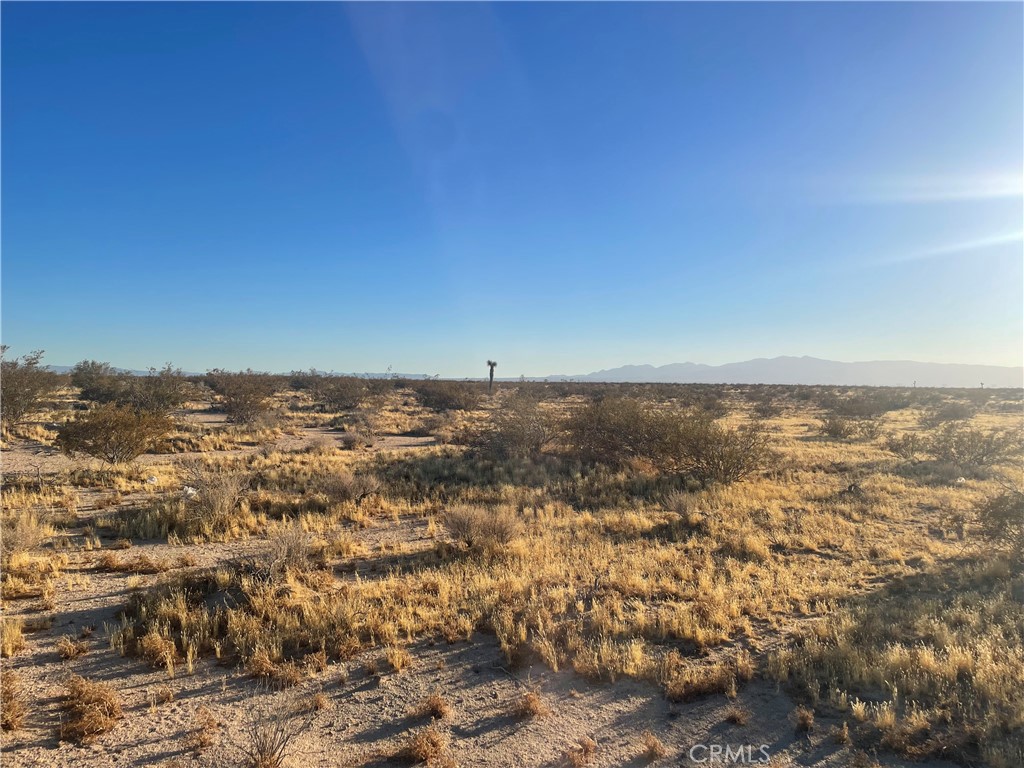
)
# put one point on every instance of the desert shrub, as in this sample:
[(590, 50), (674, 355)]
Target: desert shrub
[(765, 405), (838, 427), (967, 447), (520, 428), (244, 396), (91, 708), (909, 446), (212, 496), (947, 412), (97, 381), (1001, 519), (337, 393), (290, 549), (268, 738), (614, 430), (438, 395), (160, 391), (479, 528), (24, 384), (113, 433), (712, 453), (340, 487)]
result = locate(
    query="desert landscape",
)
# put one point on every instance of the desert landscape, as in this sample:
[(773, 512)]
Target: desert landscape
[(268, 570), (553, 384)]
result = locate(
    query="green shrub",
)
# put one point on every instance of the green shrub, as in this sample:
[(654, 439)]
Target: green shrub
[(24, 384), (909, 446), (113, 433), (244, 396), (614, 431), (970, 448), (439, 395), (838, 427), (1002, 520), (337, 393), (712, 453)]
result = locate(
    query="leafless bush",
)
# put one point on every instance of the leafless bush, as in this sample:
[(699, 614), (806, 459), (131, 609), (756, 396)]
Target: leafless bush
[(520, 428), (24, 384), (113, 433), (482, 529), (909, 446), (290, 549), (211, 495), (20, 532), (269, 733), (340, 487)]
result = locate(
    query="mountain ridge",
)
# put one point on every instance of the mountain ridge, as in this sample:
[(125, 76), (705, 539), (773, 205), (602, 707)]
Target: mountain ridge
[(788, 369)]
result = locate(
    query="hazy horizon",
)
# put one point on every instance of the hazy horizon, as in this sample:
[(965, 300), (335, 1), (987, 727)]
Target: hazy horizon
[(563, 188)]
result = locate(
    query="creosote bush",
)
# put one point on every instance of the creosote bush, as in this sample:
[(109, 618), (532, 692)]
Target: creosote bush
[(1001, 519), (441, 395), (244, 396), (113, 433), (24, 384), (971, 448), (615, 431)]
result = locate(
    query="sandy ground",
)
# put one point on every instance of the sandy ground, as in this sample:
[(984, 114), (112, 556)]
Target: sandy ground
[(367, 715)]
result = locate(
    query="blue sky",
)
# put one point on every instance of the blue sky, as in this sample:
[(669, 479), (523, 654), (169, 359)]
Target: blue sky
[(562, 188)]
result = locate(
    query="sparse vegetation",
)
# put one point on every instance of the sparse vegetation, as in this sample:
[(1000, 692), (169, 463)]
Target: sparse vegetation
[(614, 531)]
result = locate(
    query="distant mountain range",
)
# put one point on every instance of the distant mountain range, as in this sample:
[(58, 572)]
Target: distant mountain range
[(813, 370), (775, 370)]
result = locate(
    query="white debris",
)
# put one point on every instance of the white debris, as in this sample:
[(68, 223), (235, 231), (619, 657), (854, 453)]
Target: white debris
[(189, 492), (151, 480)]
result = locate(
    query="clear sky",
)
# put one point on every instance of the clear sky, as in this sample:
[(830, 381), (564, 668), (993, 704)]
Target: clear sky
[(561, 188)]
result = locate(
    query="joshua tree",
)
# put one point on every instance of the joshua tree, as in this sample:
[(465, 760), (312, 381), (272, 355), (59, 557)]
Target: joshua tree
[(492, 365)]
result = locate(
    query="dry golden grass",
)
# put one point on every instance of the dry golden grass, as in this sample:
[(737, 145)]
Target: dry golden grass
[(582, 753), (69, 648), (91, 708), (435, 706), (651, 747), (13, 706), (429, 746), (531, 704)]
